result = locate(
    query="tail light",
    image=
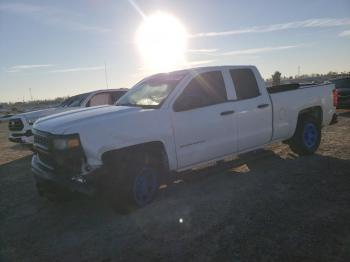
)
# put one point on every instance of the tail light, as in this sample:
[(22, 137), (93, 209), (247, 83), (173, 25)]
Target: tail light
[(335, 97)]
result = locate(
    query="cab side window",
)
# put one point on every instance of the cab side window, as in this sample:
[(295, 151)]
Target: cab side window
[(245, 83), (101, 99), (204, 90)]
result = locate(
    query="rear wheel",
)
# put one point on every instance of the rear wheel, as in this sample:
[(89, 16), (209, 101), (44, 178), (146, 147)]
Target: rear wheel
[(307, 136)]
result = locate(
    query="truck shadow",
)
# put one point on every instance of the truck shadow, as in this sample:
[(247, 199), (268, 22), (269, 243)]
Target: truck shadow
[(265, 165), (291, 200), (261, 165)]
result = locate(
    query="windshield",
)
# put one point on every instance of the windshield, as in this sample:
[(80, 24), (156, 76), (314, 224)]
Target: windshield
[(74, 101), (151, 92)]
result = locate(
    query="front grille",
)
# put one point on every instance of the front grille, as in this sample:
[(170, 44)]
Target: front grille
[(42, 141), (15, 124), (27, 133), (63, 162)]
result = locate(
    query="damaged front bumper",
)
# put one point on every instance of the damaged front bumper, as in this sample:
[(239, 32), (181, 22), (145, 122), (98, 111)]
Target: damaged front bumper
[(84, 183)]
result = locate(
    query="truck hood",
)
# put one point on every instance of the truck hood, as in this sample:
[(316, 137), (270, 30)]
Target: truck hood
[(34, 115), (60, 123)]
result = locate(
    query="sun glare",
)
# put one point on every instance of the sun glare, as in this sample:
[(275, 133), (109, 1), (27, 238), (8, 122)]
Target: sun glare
[(162, 42)]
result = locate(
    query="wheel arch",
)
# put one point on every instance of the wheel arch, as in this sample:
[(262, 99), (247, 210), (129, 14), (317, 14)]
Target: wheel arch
[(122, 155), (314, 112)]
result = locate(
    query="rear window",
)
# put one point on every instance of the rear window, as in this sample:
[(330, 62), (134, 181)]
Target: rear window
[(245, 83), (74, 101), (101, 99), (116, 95)]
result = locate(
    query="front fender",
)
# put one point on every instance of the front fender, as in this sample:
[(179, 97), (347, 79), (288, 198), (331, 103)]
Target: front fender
[(113, 133)]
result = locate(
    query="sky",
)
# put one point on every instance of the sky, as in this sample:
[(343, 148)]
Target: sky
[(62, 48)]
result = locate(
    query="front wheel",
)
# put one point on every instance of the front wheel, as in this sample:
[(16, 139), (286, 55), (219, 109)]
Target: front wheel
[(137, 184), (145, 186), (307, 136)]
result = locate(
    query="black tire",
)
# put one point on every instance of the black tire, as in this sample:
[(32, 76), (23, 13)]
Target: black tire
[(307, 136), (141, 172), (53, 192)]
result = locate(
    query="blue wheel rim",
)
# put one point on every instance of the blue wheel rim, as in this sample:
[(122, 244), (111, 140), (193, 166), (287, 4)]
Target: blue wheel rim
[(310, 135), (145, 186)]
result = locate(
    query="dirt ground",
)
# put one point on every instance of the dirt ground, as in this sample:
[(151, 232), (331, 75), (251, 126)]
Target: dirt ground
[(276, 206)]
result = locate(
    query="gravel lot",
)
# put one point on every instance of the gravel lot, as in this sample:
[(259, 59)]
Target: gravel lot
[(270, 206)]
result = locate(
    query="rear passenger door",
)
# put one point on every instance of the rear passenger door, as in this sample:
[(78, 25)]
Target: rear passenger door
[(253, 110), (202, 120)]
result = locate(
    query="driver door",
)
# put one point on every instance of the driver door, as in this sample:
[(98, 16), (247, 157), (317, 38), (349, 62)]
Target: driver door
[(203, 121)]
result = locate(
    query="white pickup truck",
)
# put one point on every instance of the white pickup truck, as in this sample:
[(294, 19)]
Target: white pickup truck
[(20, 125), (173, 122)]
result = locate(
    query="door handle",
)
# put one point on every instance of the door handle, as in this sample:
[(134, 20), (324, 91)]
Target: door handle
[(263, 105), (227, 112)]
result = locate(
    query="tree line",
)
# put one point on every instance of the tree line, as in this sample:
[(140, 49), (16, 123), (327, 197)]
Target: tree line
[(277, 78)]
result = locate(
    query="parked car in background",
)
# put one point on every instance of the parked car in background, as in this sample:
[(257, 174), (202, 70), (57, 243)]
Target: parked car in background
[(342, 86), (5, 118), (20, 125), (174, 122)]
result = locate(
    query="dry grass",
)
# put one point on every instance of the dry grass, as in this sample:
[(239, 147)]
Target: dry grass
[(10, 151)]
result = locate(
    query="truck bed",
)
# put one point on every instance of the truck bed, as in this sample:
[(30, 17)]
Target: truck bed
[(289, 87), (289, 100)]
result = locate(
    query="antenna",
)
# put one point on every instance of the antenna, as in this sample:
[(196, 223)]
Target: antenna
[(106, 76)]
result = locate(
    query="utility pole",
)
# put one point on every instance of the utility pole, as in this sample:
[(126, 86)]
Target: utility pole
[(30, 92), (106, 76)]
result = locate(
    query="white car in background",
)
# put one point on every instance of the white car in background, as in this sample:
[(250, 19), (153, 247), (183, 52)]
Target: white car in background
[(20, 125)]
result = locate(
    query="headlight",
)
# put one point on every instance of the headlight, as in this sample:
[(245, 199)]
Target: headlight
[(66, 143), (31, 121)]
